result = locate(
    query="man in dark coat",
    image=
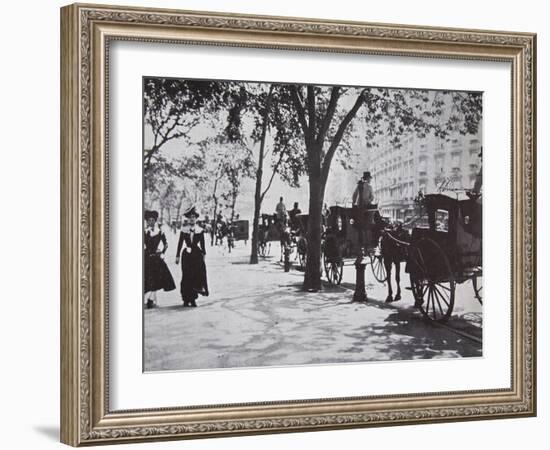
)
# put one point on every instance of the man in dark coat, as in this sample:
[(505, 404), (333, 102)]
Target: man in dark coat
[(292, 214), (191, 248), (362, 198)]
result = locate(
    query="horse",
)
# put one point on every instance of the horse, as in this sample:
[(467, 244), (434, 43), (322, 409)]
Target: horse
[(393, 248), (220, 232), (284, 234)]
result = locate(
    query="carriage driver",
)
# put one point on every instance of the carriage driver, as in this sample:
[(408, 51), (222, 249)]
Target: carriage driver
[(292, 214), (280, 211), (363, 195), (363, 198)]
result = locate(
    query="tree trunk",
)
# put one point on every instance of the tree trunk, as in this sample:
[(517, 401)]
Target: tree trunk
[(215, 222), (256, 224), (180, 204), (312, 276), (258, 191), (234, 196), (257, 207), (215, 216)]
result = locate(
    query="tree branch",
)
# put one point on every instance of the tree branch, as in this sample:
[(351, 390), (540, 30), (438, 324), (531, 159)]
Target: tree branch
[(311, 111), (339, 134), (275, 170), (331, 109), (300, 109)]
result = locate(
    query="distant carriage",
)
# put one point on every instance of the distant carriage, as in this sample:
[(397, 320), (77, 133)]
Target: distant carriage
[(240, 230), (352, 233), (270, 229), (445, 253), (300, 238), (232, 232), (294, 240)]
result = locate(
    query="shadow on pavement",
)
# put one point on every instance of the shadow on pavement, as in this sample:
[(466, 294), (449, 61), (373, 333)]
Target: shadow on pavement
[(404, 336)]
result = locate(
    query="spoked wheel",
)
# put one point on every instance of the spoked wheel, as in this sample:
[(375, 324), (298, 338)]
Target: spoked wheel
[(477, 282), (332, 262), (432, 281), (334, 270), (378, 268), (301, 249), (264, 249), (302, 259)]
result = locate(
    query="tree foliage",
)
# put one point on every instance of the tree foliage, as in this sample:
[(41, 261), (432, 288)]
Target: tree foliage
[(295, 130), (174, 107)]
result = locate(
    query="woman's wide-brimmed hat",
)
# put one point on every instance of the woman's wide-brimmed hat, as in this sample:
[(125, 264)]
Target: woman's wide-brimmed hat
[(191, 212), (151, 215)]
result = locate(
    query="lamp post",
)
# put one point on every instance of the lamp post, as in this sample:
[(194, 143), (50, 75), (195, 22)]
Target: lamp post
[(287, 257), (360, 294)]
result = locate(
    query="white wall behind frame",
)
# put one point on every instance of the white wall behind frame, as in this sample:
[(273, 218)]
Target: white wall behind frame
[(29, 323), (131, 389)]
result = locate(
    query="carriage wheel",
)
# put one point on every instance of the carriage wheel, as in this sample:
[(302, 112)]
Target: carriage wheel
[(477, 282), (301, 251), (264, 249), (302, 259), (432, 280), (334, 269), (378, 268)]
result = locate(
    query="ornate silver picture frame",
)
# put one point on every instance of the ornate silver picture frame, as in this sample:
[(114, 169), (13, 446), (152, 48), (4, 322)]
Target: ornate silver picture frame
[(87, 32)]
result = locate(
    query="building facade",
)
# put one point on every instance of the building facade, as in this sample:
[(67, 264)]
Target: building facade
[(426, 165)]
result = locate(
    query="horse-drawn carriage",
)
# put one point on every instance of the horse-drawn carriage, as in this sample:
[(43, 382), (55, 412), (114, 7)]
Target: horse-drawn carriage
[(232, 232), (352, 233), (240, 230), (446, 253), (294, 240), (290, 234), (443, 249), (270, 230)]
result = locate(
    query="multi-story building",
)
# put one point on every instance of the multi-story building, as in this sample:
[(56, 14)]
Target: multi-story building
[(426, 164)]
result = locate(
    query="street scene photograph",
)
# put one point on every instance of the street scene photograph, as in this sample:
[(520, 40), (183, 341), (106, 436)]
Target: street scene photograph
[(295, 224)]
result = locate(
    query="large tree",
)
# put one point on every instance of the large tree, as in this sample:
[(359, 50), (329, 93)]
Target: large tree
[(255, 120), (326, 114), (186, 114), (238, 166), (306, 127)]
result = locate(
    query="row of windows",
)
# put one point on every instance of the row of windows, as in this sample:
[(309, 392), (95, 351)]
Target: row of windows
[(406, 190), (393, 155)]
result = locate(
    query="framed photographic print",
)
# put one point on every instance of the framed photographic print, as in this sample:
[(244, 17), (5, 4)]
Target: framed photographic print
[(276, 224)]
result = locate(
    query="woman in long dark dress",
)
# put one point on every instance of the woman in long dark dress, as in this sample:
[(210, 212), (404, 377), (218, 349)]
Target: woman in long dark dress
[(157, 276), (191, 248)]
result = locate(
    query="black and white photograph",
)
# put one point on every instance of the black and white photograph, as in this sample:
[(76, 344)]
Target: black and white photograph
[(297, 224)]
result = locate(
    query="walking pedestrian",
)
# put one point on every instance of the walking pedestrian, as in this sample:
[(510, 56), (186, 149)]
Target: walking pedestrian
[(157, 276), (192, 250)]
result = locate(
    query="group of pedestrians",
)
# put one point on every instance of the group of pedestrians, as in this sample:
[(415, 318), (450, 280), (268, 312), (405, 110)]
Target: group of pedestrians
[(190, 252), (191, 248)]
